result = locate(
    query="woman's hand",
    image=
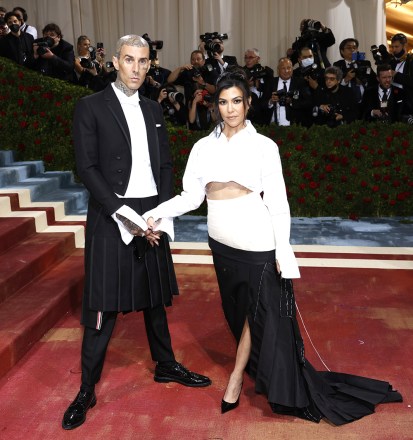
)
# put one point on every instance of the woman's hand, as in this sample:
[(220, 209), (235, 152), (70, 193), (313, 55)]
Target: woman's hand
[(277, 265)]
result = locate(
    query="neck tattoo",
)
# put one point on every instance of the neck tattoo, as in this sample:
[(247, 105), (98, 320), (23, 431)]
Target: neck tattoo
[(124, 88)]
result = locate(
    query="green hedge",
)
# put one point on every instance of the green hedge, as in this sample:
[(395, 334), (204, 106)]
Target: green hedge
[(357, 170)]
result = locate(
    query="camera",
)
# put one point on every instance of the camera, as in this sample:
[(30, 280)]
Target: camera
[(210, 46), (206, 97), (173, 94), (88, 63), (408, 119), (109, 65), (256, 72), (282, 96), (196, 72), (312, 71), (312, 25), (154, 46), (360, 66), (99, 45), (43, 44), (380, 54)]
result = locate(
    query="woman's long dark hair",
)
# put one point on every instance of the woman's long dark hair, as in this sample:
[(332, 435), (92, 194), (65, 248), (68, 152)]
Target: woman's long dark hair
[(233, 77)]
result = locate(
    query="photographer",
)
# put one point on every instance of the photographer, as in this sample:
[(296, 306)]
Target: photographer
[(21, 14), (357, 71), (197, 73), (334, 104), (155, 78), (402, 71), (212, 46), (260, 79), (383, 103), (90, 68), (16, 45), (54, 56), (317, 37), (173, 105), (291, 100), (4, 30), (200, 114)]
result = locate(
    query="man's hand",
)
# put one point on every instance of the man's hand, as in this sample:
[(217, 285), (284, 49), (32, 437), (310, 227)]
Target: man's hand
[(131, 227)]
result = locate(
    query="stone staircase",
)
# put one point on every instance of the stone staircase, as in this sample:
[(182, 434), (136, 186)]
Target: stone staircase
[(42, 219)]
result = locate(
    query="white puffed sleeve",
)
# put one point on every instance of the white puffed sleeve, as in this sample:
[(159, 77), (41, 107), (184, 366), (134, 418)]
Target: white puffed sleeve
[(275, 198), (191, 197)]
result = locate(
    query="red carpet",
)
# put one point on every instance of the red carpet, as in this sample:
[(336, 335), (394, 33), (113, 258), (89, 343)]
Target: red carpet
[(360, 321)]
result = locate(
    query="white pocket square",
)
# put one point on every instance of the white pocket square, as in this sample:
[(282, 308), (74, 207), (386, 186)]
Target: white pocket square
[(158, 125)]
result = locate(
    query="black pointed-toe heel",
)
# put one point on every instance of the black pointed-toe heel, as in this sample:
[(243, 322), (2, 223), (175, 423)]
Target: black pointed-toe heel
[(226, 406)]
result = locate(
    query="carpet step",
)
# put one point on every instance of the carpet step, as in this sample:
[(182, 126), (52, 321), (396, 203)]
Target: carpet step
[(27, 315), (30, 258), (14, 230), (47, 186)]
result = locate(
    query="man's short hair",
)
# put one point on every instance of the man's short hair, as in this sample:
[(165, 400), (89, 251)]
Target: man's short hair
[(345, 41), (399, 37), (130, 40), (383, 68), (336, 71), (22, 11), (52, 27), (10, 14)]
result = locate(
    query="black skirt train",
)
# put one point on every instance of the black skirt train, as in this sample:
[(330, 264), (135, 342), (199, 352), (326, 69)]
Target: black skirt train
[(251, 289)]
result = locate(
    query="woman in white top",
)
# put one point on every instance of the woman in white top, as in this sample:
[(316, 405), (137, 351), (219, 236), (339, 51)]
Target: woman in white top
[(239, 171)]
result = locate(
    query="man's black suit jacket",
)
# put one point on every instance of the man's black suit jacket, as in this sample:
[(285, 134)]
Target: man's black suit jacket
[(103, 148), (371, 102)]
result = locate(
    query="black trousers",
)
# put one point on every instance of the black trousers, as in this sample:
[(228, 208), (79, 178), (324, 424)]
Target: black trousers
[(95, 343)]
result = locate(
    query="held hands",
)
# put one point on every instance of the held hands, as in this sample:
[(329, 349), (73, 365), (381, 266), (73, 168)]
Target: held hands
[(134, 229)]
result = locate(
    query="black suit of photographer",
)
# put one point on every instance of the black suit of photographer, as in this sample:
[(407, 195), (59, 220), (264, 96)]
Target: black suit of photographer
[(61, 65), (261, 85), (186, 79), (373, 99), (298, 106), (341, 100), (404, 76), (229, 61), (18, 48)]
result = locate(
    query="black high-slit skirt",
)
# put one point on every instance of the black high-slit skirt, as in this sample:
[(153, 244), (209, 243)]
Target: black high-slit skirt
[(251, 289)]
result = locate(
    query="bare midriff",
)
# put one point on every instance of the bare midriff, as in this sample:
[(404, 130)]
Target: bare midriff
[(225, 190)]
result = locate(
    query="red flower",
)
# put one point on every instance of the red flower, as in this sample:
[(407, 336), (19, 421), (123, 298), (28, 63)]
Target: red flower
[(353, 216), (396, 133), (346, 143), (287, 154), (302, 166), (365, 147), (279, 142), (314, 153), (396, 184), (173, 138), (363, 183), (392, 202), (23, 124), (184, 151), (344, 178), (329, 168), (48, 157), (299, 147), (367, 199), (35, 125), (330, 199), (389, 139), (358, 155), (20, 102), (374, 132), (67, 97), (20, 74), (302, 186), (313, 185), (375, 188), (363, 130), (290, 136), (184, 138), (405, 143), (349, 196), (307, 175), (37, 141), (301, 200), (58, 104)]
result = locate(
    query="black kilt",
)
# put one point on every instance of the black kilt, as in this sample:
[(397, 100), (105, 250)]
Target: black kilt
[(120, 277)]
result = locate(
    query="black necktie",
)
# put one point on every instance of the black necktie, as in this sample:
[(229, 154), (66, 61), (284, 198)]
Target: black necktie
[(285, 86), (385, 95)]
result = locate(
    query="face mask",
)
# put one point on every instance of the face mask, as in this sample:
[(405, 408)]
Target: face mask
[(307, 62), (14, 28)]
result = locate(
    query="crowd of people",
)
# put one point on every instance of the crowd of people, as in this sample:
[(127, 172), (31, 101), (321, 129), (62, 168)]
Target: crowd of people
[(305, 89)]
